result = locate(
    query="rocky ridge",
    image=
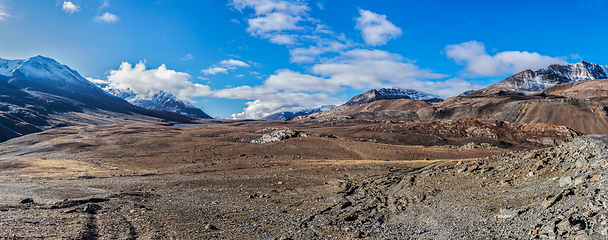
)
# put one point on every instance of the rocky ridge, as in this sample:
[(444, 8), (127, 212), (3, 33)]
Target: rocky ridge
[(529, 82)]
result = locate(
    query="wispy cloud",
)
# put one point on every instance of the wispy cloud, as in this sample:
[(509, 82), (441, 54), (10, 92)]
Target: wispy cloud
[(214, 70), (69, 7), (105, 4), (375, 29), (223, 66), (478, 63), (3, 13), (107, 17), (187, 57), (235, 21)]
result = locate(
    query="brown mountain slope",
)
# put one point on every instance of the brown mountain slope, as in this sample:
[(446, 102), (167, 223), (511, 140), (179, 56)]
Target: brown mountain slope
[(399, 108), (580, 106)]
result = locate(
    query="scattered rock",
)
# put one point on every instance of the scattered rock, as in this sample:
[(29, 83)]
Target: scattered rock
[(565, 181), (595, 177), (92, 208), (579, 180), (550, 200), (27, 200), (70, 211), (507, 213), (210, 227), (548, 229), (472, 168)]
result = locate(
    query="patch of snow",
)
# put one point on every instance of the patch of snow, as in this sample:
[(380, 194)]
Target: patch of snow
[(395, 93), (8, 65)]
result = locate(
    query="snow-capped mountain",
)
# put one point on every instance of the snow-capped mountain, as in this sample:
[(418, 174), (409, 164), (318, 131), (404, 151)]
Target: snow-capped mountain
[(160, 101), (281, 116), (392, 93), (529, 81), (39, 72), (39, 93)]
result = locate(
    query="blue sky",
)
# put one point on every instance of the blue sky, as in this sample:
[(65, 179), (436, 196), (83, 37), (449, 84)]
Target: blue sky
[(251, 58)]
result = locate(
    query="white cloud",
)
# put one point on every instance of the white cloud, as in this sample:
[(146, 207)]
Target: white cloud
[(283, 39), (287, 80), (280, 102), (272, 15), (364, 69), (147, 82), (288, 23), (479, 63), (187, 57), (240, 75), (311, 53), (224, 66), (97, 81), (214, 70), (375, 29), (69, 7), (231, 63), (3, 14), (273, 22), (235, 21), (107, 17)]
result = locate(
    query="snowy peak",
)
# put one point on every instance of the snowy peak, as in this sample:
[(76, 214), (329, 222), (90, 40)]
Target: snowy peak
[(281, 116), (160, 101), (397, 93), (40, 70), (529, 81), (8, 65), (392, 93)]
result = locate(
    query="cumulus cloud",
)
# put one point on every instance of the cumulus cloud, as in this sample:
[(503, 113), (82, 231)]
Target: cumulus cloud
[(147, 82), (272, 15), (375, 29), (69, 7), (3, 13), (289, 23), (479, 63), (281, 102), (224, 66), (107, 17)]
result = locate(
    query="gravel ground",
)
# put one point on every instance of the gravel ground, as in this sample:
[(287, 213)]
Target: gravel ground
[(555, 193)]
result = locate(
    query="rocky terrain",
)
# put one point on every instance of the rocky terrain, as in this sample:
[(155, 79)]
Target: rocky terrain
[(272, 180), (572, 90)]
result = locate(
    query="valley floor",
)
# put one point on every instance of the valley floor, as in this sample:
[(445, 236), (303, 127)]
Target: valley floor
[(210, 182)]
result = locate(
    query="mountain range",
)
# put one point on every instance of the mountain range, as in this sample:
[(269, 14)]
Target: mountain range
[(159, 101), (281, 116), (573, 95), (39, 93)]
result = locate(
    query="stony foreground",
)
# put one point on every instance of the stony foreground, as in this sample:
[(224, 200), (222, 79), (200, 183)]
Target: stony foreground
[(557, 193)]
